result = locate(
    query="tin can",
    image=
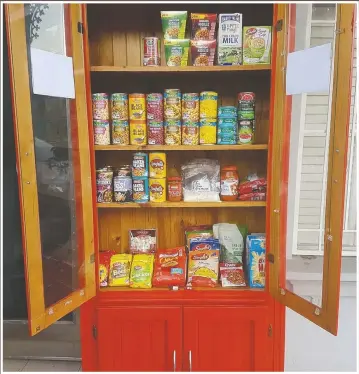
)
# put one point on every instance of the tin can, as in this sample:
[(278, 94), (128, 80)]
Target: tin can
[(158, 165), (100, 107), (173, 132), (119, 106), (154, 107), (137, 107), (138, 132), (208, 103), (122, 187), (155, 132), (157, 190), (140, 165), (104, 178), (190, 133), (245, 132), (208, 131), (246, 105), (120, 132), (190, 107), (140, 190), (172, 104), (151, 51), (227, 112), (101, 132), (227, 122), (124, 171)]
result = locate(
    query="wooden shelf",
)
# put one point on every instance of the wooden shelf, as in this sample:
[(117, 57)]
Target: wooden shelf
[(171, 69), (182, 204), (249, 147)]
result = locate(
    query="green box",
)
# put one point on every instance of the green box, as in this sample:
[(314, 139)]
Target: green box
[(257, 45)]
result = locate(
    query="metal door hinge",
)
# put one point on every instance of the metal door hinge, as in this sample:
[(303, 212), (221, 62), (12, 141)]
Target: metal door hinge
[(270, 331), (80, 27), (94, 332), (279, 25), (270, 257)]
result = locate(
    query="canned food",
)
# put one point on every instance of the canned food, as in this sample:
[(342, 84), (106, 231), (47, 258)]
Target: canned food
[(151, 51), (172, 104), (120, 132), (190, 133), (140, 190), (104, 178), (246, 105), (154, 107), (119, 106), (155, 132), (227, 112), (137, 106), (122, 187), (140, 165), (190, 107), (158, 165), (157, 190), (138, 133), (101, 132), (208, 101), (245, 132), (124, 171), (100, 108), (208, 131), (173, 132), (227, 122)]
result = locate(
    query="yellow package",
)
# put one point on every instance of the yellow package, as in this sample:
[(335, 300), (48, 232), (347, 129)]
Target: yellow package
[(120, 266), (158, 165), (157, 190), (141, 271)]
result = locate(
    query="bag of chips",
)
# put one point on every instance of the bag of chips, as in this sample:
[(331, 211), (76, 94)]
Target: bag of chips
[(141, 271), (105, 258), (203, 268), (198, 232), (170, 268), (120, 266)]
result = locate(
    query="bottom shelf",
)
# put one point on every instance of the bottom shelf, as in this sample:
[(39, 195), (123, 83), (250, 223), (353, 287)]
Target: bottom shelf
[(181, 290)]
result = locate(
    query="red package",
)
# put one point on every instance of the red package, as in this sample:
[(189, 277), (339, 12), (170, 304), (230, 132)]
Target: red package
[(203, 26), (232, 275), (104, 267), (203, 52), (170, 267), (254, 196), (258, 185)]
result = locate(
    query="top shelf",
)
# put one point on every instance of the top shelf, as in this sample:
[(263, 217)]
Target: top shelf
[(172, 69)]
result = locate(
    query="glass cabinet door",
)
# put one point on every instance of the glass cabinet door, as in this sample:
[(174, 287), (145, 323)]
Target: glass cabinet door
[(309, 154), (53, 162)]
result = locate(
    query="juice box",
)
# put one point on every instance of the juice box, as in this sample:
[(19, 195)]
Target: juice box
[(257, 42), (255, 259)]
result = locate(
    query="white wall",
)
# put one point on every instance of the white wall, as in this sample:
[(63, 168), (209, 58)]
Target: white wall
[(310, 348)]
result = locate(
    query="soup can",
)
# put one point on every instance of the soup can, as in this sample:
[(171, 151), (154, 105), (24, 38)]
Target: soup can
[(101, 132), (155, 132), (245, 132), (120, 132), (119, 106), (137, 106), (190, 107), (208, 131), (154, 107), (157, 188), (172, 104), (173, 132), (208, 103), (151, 51), (246, 105), (140, 191), (158, 165), (138, 132), (100, 107), (122, 187), (104, 177), (190, 133)]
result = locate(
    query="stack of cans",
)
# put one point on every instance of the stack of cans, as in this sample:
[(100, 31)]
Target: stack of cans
[(227, 125), (246, 117), (140, 187)]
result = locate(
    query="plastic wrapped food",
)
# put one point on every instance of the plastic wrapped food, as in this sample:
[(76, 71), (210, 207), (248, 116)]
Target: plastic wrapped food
[(141, 271), (104, 267), (201, 180), (202, 244), (198, 232), (143, 241), (203, 268), (170, 268), (120, 270)]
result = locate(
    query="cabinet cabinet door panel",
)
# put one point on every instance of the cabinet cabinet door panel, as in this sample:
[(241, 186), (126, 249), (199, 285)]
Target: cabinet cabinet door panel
[(139, 339), (226, 339)]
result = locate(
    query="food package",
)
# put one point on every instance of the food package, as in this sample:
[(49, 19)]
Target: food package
[(203, 268), (170, 268), (204, 244), (257, 42), (229, 39), (252, 184), (208, 131), (140, 190), (232, 275), (227, 112), (197, 232), (176, 52), (201, 180), (174, 24), (140, 165), (120, 270), (104, 267), (158, 165), (232, 243), (255, 259), (203, 26), (157, 190), (203, 52), (143, 241), (254, 196), (141, 271)]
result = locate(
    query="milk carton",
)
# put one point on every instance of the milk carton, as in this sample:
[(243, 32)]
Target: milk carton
[(229, 51)]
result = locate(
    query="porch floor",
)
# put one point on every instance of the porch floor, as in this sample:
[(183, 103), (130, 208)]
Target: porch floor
[(40, 365)]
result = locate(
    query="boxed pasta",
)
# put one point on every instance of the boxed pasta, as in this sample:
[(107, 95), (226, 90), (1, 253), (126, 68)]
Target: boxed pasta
[(255, 259), (203, 268), (257, 45), (229, 39)]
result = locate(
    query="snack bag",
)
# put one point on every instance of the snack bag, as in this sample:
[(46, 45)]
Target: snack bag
[(141, 271), (105, 258), (120, 266), (143, 241), (197, 232), (170, 267), (203, 268), (232, 275)]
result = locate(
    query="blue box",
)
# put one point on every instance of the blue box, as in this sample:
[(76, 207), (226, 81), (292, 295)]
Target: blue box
[(255, 260), (204, 244)]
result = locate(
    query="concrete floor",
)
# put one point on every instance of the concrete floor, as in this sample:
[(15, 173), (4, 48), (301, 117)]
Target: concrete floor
[(40, 365)]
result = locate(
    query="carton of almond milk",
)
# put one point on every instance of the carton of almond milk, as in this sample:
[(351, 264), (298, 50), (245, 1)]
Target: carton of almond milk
[(229, 51)]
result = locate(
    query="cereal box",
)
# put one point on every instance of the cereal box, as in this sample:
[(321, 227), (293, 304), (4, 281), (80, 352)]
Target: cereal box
[(256, 260), (229, 50), (257, 45)]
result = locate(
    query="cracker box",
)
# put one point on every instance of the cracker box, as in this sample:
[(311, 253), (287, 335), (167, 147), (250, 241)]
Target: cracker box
[(256, 260), (257, 42), (229, 51)]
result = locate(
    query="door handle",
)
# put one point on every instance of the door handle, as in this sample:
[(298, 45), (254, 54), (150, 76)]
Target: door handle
[(174, 360), (190, 360)]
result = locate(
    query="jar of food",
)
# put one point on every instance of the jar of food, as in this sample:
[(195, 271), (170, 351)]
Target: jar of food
[(174, 186), (229, 183)]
